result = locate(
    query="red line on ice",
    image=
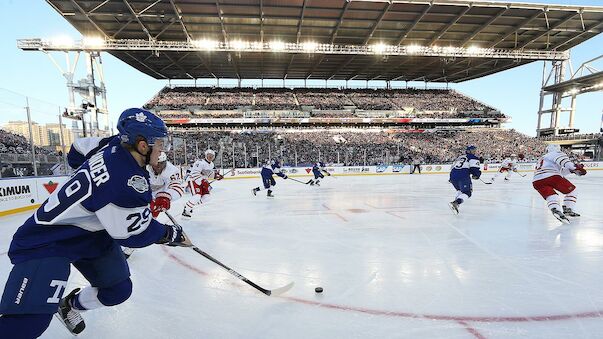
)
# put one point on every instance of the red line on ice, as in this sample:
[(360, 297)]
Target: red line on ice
[(471, 330), (456, 318)]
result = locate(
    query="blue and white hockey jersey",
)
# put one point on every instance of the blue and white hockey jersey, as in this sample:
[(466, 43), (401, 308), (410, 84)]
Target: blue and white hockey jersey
[(319, 166), (105, 200), (465, 166), (271, 168), (83, 148)]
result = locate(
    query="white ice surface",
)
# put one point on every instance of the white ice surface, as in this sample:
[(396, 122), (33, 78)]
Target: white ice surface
[(393, 260)]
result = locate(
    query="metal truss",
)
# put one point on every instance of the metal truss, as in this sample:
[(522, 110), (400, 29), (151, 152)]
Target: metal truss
[(99, 44)]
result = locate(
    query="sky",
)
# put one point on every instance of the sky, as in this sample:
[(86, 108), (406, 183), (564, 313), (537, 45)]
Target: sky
[(515, 92)]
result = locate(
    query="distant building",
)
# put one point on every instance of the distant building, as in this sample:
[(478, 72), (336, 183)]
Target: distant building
[(47, 136)]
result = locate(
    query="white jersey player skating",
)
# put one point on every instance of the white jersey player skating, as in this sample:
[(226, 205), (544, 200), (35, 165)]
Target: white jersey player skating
[(549, 178), (166, 187), (165, 184), (198, 183), (508, 166)]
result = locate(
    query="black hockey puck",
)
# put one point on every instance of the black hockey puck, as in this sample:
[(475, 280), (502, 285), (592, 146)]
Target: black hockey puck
[(318, 290)]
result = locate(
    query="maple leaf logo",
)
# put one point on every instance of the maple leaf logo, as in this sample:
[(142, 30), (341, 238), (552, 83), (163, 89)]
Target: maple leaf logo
[(141, 117)]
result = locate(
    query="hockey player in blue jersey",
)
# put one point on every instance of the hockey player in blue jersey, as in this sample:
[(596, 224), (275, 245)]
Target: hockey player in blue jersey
[(103, 205), (465, 168), (268, 170), (318, 170)]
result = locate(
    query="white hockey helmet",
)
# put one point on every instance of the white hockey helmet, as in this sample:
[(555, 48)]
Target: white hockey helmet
[(209, 151), (162, 157), (552, 148), (513, 155)]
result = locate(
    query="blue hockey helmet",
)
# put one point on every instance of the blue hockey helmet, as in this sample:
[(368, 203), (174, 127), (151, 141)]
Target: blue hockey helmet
[(470, 149), (137, 122)]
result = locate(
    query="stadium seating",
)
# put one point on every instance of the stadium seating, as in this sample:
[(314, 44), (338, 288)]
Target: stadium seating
[(354, 147), (325, 102)]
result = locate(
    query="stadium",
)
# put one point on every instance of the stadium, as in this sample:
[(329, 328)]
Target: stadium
[(371, 138)]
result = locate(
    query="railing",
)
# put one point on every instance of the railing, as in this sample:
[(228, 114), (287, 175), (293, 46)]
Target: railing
[(589, 136)]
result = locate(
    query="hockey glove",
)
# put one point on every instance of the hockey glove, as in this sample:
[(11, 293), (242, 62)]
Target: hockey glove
[(175, 236), (159, 204), (580, 170), (285, 177), (474, 177), (218, 176)]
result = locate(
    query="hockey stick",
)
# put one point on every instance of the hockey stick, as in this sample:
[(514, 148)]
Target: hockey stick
[(330, 175), (230, 170), (487, 183), (523, 176), (301, 182), (274, 292)]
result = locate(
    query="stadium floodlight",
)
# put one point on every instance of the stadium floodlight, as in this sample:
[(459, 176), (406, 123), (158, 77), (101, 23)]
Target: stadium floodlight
[(64, 44), (93, 42), (473, 50), (256, 45), (449, 49), (413, 49), (62, 41), (277, 46), (206, 44), (380, 48), (238, 45), (309, 46)]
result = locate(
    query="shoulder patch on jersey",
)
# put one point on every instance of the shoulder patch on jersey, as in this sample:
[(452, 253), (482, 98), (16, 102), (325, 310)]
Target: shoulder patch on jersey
[(138, 183)]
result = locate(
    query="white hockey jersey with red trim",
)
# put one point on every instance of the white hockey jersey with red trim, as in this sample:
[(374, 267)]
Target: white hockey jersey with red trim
[(201, 169), (168, 181), (555, 163), (508, 164)]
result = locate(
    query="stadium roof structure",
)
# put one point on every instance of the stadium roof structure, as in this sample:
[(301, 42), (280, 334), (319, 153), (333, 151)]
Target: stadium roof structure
[(425, 40), (588, 83)]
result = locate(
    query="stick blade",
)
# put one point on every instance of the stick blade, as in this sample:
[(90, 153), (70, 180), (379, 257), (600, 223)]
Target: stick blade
[(278, 291)]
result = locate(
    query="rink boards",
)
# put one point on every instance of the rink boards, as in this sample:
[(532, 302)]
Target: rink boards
[(242, 173), (23, 194)]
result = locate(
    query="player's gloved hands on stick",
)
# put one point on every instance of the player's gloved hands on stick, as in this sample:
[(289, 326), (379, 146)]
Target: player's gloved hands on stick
[(580, 170), (175, 236), (218, 176), (159, 204), (285, 177), (474, 177)]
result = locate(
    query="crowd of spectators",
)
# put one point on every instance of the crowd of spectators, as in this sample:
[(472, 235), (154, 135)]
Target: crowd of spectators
[(229, 99), (180, 98), (447, 103), (17, 144), (323, 98), (348, 147)]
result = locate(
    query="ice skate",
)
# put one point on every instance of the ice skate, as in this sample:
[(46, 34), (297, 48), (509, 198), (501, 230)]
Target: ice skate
[(70, 317), (569, 212), (454, 206), (560, 216)]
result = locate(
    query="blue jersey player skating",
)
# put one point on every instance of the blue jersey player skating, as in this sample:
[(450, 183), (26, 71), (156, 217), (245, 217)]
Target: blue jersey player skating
[(103, 205), (268, 170), (318, 170), (463, 170)]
